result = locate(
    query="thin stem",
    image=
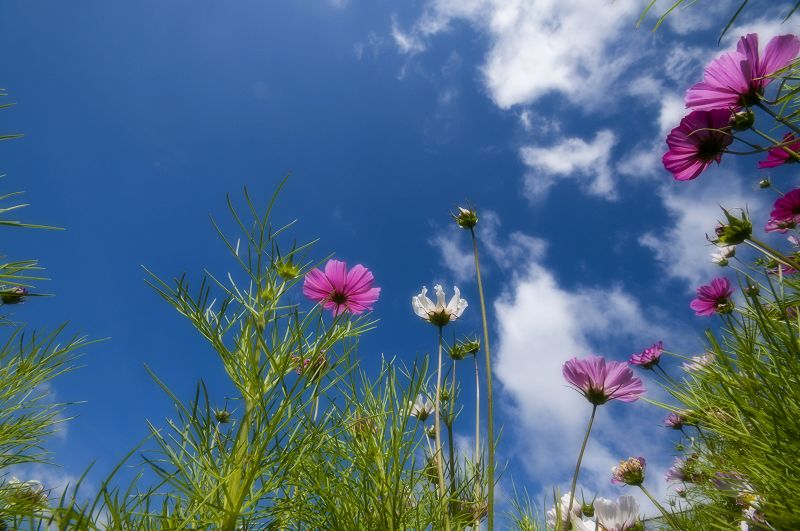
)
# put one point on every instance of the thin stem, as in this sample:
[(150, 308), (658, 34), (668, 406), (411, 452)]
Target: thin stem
[(774, 142), (766, 249), (580, 458), (437, 404), (781, 119), (489, 403), (476, 462), (667, 515), (450, 435)]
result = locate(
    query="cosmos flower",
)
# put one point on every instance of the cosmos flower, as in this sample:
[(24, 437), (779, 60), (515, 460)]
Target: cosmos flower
[(677, 472), (629, 471), (713, 298), (600, 380), (674, 420), (619, 515), (649, 357), (778, 156), (785, 212), (438, 313), (421, 408), (723, 254), (699, 140), (340, 290), (552, 514), (698, 362), (738, 79)]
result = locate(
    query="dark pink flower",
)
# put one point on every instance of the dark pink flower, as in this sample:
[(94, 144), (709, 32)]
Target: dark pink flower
[(787, 207), (737, 79), (600, 380), (713, 298), (340, 290), (648, 357), (778, 156), (699, 140)]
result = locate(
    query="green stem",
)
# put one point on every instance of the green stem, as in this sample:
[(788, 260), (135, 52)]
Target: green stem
[(235, 492), (476, 463), (668, 516), (580, 458), (776, 143), (489, 403), (766, 249), (782, 120), (450, 435), (438, 421)]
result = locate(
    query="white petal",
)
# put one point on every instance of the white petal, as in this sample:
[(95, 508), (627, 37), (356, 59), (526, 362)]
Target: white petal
[(439, 297)]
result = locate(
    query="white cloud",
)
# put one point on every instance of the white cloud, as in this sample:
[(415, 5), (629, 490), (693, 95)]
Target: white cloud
[(682, 249), (571, 158), (540, 46)]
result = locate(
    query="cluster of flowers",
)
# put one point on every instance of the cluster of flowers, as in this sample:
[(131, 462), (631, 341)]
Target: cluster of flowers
[(733, 82), (621, 514)]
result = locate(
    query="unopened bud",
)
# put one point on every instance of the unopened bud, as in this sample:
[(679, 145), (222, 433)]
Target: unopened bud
[(764, 183), (223, 416), (734, 231), (742, 120), (13, 295), (466, 218)]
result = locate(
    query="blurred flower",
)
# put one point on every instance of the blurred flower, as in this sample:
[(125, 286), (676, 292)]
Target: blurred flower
[(551, 517), (778, 156), (737, 79), (698, 362), (723, 254), (699, 140), (438, 313), (466, 218), (312, 368), (674, 420), (13, 295), (583, 525), (601, 381), (677, 472), (619, 515), (421, 408), (27, 494), (713, 298), (649, 357), (629, 471), (340, 290)]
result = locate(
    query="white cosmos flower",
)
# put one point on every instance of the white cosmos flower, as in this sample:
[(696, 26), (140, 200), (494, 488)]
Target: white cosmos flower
[(551, 516), (617, 515), (438, 313), (421, 408), (723, 254), (583, 525)]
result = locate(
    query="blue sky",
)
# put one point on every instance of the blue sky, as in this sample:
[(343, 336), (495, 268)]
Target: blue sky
[(140, 117)]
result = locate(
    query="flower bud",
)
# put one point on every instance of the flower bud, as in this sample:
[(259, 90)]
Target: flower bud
[(223, 416), (764, 183), (466, 218), (587, 509), (629, 471), (431, 431), (742, 120), (457, 352), (734, 231), (13, 295)]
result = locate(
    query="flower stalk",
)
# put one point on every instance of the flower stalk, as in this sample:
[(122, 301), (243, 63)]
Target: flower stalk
[(580, 458)]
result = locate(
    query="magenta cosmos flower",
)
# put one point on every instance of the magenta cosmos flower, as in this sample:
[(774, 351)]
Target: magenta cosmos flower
[(785, 212), (340, 290), (648, 357), (737, 79), (600, 380), (699, 140), (674, 420), (713, 298), (778, 156)]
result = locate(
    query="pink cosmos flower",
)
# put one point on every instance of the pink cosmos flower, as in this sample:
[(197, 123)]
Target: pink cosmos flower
[(737, 79), (699, 140), (600, 380), (629, 472), (785, 212), (340, 290), (713, 298), (677, 472), (778, 156), (648, 357)]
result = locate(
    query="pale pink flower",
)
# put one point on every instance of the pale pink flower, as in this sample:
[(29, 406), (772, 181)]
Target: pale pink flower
[(340, 290), (649, 357), (600, 380)]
